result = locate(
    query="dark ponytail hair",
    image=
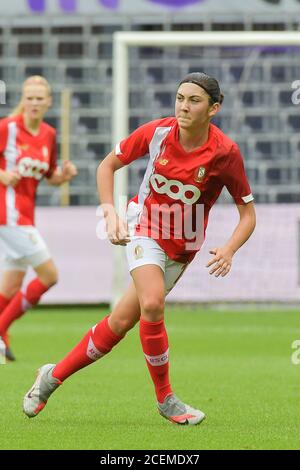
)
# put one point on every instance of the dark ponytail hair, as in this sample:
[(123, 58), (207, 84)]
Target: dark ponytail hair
[(209, 84)]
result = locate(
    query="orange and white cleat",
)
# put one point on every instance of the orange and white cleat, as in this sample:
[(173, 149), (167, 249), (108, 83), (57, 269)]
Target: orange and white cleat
[(6, 352), (35, 400), (177, 412)]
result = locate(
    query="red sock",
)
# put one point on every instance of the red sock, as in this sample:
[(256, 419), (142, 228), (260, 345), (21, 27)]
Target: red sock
[(3, 303), (95, 344), (20, 303), (155, 346)]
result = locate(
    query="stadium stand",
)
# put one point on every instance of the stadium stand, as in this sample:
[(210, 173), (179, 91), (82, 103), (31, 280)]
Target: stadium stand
[(258, 111)]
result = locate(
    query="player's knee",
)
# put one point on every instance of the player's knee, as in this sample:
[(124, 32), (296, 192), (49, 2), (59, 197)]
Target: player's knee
[(50, 277), (53, 279), (121, 325), (16, 288), (11, 290), (153, 307)]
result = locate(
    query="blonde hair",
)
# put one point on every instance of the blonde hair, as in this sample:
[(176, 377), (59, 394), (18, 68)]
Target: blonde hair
[(33, 80)]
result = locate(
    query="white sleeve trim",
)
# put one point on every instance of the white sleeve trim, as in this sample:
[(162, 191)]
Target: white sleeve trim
[(248, 198), (118, 149)]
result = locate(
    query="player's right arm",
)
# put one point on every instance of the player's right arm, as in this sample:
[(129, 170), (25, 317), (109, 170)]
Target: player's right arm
[(9, 178), (135, 146), (117, 229)]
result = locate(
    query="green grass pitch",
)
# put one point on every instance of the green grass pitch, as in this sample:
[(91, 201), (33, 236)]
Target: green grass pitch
[(235, 366)]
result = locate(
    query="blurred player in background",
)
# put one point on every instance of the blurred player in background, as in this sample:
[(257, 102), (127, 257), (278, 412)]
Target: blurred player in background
[(27, 155), (190, 161)]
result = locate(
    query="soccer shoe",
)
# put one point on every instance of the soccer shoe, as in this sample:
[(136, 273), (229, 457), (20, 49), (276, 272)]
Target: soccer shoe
[(8, 354), (177, 412), (35, 400)]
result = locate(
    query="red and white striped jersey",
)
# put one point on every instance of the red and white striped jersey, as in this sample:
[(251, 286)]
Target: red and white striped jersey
[(177, 183), (33, 157)]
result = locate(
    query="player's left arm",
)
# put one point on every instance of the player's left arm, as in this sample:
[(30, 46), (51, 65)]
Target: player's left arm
[(233, 176), (58, 175), (63, 174), (222, 260)]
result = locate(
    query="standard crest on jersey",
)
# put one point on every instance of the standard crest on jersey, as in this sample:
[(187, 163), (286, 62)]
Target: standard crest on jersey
[(138, 252), (200, 174), (33, 238)]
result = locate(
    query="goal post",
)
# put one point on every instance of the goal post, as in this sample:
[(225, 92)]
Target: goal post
[(66, 96), (122, 41)]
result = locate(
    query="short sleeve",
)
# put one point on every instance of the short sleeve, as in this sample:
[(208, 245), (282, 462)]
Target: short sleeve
[(136, 145), (53, 158), (234, 177)]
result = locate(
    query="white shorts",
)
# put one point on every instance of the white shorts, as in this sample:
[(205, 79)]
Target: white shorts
[(142, 250), (22, 246)]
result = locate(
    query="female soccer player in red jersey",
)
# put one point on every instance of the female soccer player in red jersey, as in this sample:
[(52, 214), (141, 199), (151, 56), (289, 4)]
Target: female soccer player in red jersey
[(27, 154), (189, 162)]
